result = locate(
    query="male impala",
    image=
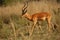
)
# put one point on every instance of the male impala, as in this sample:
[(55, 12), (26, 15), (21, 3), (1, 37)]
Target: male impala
[(35, 17)]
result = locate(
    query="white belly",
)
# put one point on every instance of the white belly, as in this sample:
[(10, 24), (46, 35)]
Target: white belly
[(43, 18)]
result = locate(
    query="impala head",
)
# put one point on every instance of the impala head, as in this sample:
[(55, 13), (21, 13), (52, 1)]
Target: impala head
[(24, 10)]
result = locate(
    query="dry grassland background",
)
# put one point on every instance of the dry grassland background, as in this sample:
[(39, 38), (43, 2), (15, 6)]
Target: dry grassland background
[(13, 27)]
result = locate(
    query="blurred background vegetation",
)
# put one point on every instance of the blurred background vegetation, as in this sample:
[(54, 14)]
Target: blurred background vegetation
[(13, 27), (7, 2)]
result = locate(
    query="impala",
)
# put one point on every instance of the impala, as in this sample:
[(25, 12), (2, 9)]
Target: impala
[(35, 17)]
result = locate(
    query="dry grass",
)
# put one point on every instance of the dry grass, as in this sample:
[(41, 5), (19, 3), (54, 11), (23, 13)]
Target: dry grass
[(17, 28)]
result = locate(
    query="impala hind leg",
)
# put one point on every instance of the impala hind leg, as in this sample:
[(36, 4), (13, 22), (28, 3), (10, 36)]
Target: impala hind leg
[(31, 31)]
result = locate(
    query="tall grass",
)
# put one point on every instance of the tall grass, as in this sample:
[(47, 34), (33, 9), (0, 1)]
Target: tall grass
[(17, 28)]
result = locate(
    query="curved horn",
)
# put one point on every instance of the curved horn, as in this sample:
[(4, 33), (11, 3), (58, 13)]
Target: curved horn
[(24, 10)]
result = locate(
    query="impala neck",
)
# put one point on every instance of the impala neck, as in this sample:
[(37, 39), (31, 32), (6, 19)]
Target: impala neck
[(28, 16)]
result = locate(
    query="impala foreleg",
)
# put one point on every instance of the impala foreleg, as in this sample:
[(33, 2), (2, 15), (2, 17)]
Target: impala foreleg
[(33, 27)]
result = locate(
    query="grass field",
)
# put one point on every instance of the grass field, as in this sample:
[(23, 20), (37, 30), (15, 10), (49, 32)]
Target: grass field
[(14, 27)]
